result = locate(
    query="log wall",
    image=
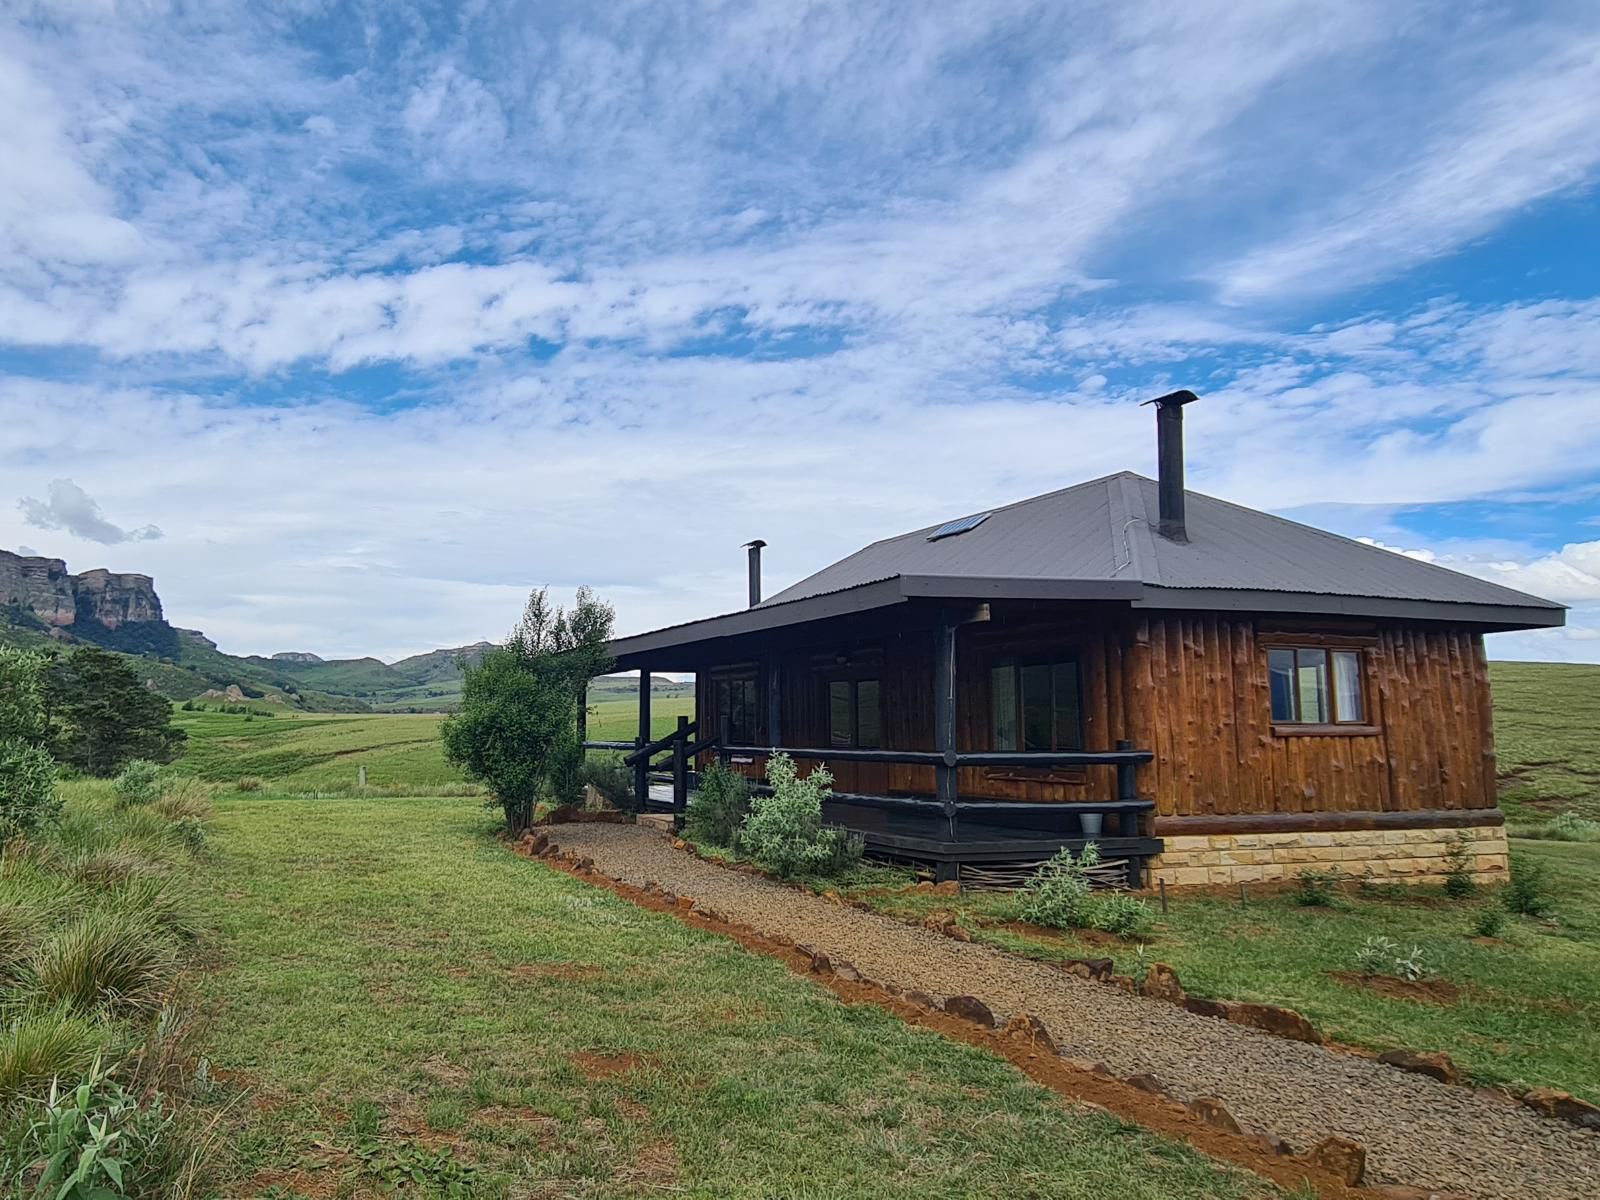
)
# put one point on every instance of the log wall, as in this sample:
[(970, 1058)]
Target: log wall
[(1192, 688)]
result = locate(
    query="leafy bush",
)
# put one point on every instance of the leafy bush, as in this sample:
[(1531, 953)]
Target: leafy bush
[(1375, 954), (1527, 892), (96, 1141), (137, 784), (1570, 827), (43, 1043), (1458, 881), (1121, 914), (718, 807), (1489, 922), (28, 799), (1059, 895), (106, 958), (1315, 888), (783, 831), (1379, 955), (607, 775)]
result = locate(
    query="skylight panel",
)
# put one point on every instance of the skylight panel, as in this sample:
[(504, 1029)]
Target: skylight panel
[(961, 525)]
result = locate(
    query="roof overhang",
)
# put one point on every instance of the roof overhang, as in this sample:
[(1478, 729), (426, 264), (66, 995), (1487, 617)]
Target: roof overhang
[(1492, 617), (639, 650)]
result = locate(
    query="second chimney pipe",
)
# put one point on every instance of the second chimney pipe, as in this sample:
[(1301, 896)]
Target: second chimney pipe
[(755, 570), (1169, 463)]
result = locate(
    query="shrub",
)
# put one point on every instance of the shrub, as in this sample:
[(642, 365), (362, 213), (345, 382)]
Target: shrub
[(1375, 954), (1570, 827), (1527, 892), (784, 832), (41, 1044), (137, 784), (1458, 859), (1315, 888), (1057, 894), (28, 799), (607, 775), (106, 958), (1381, 956), (718, 807), (1489, 922), (96, 1141), (1121, 914)]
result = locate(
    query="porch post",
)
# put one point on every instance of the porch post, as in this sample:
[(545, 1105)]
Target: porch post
[(944, 718), (680, 767), (774, 703), (641, 769), (583, 712)]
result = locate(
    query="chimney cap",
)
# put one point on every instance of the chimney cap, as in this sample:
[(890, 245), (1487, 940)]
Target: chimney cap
[(1180, 397), (757, 544)]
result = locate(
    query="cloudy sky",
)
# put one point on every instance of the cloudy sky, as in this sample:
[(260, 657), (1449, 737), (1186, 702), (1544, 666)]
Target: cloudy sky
[(351, 322)]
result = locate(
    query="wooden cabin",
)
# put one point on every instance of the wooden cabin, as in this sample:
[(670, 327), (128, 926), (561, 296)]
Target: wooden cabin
[(1213, 694)]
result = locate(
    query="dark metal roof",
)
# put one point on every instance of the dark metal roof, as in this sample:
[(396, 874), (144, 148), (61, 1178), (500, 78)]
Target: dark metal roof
[(1097, 540)]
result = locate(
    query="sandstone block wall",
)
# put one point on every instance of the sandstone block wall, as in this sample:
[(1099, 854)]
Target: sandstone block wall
[(1394, 856)]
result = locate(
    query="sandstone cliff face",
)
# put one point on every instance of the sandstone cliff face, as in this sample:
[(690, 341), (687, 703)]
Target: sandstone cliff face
[(43, 587)]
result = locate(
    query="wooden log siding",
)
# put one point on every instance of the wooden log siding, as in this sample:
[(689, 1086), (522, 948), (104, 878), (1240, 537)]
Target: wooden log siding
[(1194, 689)]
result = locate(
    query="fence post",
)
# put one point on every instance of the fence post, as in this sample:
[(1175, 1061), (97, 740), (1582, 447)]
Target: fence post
[(680, 766)]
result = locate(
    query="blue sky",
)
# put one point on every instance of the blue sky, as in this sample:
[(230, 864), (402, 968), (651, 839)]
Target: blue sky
[(352, 322)]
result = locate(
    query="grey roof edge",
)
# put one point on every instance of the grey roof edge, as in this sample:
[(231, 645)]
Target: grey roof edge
[(1541, 614), (875, 594), (899, 589)]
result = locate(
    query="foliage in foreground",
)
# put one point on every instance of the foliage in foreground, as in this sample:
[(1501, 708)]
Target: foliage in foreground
[(1059, 895), (783, 830), (516, 730), (95, 924), (27, 770)]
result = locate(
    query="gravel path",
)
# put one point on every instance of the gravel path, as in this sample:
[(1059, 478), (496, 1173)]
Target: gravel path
[(1416, 1131)]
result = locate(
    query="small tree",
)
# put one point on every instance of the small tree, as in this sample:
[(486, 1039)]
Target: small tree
[(516, 730), (102, 716), (27, 771), (783, 831), (511, 724)]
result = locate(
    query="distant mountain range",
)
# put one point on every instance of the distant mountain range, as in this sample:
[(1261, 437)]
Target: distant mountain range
[(43, 605)]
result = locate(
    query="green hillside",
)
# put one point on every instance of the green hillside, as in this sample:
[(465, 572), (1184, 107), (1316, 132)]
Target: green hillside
[(306, 752), (1547, 738)]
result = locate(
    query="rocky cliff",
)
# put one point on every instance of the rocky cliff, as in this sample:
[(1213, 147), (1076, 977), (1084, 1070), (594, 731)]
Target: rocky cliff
[(43, 587)]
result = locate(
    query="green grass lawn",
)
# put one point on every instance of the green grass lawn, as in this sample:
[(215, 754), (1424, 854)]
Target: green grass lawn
[(392, 978), (1546, 721), (310, 752), (1528, 1004)]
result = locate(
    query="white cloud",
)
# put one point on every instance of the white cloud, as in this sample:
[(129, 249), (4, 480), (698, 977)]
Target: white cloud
[(1526, 137)]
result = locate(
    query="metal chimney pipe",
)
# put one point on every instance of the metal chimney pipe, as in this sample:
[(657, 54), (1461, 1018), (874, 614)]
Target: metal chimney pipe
[(755, 570), (1169, 463)]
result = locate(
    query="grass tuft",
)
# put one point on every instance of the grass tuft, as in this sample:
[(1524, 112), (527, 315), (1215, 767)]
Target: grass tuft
[(41, 1044), (106, 959)]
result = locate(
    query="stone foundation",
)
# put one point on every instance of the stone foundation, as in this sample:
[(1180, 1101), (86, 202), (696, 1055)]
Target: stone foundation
[(1394, 856)]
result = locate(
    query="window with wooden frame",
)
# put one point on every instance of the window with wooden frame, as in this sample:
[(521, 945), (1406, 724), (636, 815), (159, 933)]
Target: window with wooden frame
[(1316, 686), (1035, 704), (855, 714), (734, 708)]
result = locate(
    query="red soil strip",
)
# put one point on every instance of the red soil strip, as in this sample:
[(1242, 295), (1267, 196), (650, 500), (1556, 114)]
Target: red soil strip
[(602, 1066), (1152, 1112), (1424, 991)]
